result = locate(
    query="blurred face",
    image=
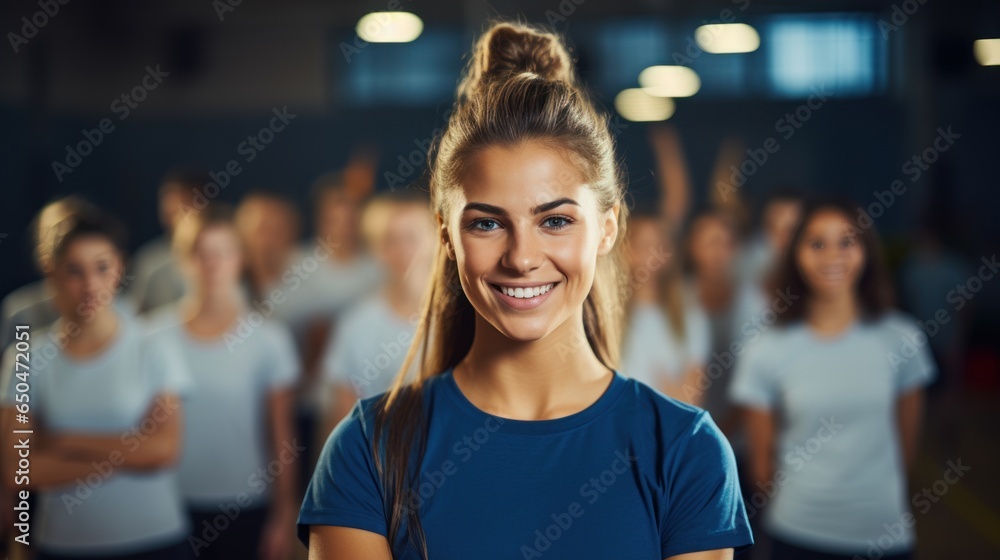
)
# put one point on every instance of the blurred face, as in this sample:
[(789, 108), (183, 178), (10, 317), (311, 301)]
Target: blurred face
[(525, 231), (712, 247), (780, 220), (647, 247), (267, 228), (338, 221), (217, 260), (405, 246), (829, 255), (172, 204), (85, 277)]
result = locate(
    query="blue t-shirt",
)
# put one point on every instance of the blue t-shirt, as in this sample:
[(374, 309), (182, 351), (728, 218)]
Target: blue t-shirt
[(635, 475)]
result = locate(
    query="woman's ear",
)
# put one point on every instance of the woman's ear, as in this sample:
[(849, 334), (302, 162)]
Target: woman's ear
[(609, 230), (445, 238)]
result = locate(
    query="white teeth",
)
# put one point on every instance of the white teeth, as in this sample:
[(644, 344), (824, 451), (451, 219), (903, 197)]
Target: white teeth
[(525, 293)]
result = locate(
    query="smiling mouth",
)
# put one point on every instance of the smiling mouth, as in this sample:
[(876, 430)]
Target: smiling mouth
[(528, 292), (834, 274)]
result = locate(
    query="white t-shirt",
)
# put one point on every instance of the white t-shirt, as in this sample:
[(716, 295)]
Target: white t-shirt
[(113, 511), (367, 347), (316, 286), (33, 305), (837, 448), (653, 350), (226, 440)]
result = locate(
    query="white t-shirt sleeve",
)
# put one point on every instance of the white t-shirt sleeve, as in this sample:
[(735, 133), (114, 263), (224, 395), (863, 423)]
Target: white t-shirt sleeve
[(754, 382), (8, 379), (697, 336), (336, 360), (283, 364), (168, 372), (909, 354)]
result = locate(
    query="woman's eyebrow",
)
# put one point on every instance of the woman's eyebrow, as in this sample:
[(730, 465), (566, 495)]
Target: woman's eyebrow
[(491, 209)]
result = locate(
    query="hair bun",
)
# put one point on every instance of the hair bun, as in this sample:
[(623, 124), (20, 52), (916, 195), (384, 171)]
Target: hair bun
[(509, 49), (512, 50)]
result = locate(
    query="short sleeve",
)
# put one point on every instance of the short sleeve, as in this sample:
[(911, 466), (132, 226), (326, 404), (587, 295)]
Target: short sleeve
[(283, 365), (910, 355), (8, 381), (344, 490), (163, 358), (753, 382), (703, 507), (9, 378), (336, 366), (698, 337)]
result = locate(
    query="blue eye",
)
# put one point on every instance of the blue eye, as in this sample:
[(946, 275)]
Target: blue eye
[(565, 222), (475, 225)]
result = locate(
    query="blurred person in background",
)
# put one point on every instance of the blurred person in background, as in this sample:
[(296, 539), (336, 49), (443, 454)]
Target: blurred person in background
[(345, 273), (239, 447), (105, 408), (668, 336), (157, 278), (762, 252), (834, 398), (728, 300), (32, 303), (269, 225), (372, 338)]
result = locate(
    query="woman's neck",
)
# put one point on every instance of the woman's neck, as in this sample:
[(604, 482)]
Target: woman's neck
[(86, 337), (645, 292), (715, 292), (265, 272), (403, 297), (344, 252), (211, 315), (832, 315), (552, 377)]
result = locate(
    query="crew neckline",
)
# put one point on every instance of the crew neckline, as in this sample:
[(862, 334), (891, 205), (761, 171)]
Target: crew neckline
[(537, 427), (104, 355), (820, 338)]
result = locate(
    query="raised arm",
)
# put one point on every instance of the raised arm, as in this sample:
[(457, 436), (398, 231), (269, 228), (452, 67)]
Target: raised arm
[(726, 196), (675, 182)]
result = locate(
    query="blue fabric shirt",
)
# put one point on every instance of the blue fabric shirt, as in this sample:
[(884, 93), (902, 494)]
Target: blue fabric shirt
[(635, 475)]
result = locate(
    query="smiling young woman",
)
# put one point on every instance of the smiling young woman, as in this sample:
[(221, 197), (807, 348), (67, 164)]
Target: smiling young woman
[(518, 436), (833, 397)]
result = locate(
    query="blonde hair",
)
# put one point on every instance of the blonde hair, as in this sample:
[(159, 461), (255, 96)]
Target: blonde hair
[(520, 85), (184, 241)]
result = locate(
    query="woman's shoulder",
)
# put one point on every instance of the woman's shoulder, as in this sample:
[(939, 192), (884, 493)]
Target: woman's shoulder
[(896, 322), (663, 417)]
